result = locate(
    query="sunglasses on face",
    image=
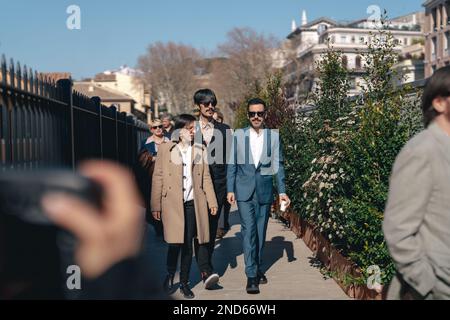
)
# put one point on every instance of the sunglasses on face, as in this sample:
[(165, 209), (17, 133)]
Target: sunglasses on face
[(210, 103), (253, 114), (157, 127)]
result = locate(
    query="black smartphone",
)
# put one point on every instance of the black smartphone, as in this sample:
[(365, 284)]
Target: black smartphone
[(34, 253)]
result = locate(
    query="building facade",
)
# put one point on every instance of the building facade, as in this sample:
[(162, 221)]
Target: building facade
[(437, 35), (309, 42), (126, 81)]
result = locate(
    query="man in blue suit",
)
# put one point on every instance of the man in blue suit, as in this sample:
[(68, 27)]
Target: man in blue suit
[(256, 158)]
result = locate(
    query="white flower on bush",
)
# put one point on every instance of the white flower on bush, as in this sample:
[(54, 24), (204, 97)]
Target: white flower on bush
[(314, 161), (341, 210), (331, 209), (341, 170), (315, 200), (308, 206), (333, 176)]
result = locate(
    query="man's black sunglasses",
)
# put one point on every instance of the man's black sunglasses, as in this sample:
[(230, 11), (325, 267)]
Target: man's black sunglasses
[(157, 127), (207, 104), (253, 114)]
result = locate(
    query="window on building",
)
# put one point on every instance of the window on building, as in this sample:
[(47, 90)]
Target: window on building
[(447, 12), (353, 39), (333, 39), (344, 61), (397, 42), (433, 48), (446, 41), (434, 20), (405, 41), (343, 39), (358, 62), (362, 40)]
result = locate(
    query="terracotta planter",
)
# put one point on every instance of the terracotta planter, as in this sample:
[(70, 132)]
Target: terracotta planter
[(332, 259)]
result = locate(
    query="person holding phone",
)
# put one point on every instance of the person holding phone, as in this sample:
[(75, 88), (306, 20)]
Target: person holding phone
[(256, 158), (182, 197)]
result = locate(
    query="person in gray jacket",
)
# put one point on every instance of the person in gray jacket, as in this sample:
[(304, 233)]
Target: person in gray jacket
[(417, 216)]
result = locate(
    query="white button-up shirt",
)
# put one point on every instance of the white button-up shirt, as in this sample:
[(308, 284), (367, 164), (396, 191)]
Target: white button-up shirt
[(256, 145), (188, 191)]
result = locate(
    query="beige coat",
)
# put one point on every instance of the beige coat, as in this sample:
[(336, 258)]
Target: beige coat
[(417, 216), (167, 193)]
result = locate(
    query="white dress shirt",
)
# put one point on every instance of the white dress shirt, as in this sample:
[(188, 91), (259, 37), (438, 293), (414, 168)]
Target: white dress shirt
[(188, 191), (256, 145)]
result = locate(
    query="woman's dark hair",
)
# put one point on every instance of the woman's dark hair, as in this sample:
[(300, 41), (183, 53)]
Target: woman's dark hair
[(205, 96), (254, 101), (437, 86), (183, 120)]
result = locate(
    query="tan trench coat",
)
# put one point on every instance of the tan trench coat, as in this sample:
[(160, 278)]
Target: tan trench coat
[(167, 193)]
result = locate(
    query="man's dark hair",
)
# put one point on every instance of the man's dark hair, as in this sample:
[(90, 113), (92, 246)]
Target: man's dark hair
[(183, 120), (254, 101), (437, 86), (205, 96)]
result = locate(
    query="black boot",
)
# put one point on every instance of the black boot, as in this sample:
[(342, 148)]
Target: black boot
[(186, 291), (252, 285), (168, 283)]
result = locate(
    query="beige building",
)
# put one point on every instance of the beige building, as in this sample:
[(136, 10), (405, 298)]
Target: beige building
[(109, 97), (309, 42), (127, 82), (437, 35)]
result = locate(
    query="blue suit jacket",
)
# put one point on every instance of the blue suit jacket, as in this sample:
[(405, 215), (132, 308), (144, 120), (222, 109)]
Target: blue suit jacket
[(244, 178)]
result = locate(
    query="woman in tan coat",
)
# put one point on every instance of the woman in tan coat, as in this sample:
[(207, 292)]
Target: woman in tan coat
[(182, 197)]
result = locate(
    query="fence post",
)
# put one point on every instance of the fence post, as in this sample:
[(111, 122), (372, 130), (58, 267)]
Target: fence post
[(65, 88), (97, 103)]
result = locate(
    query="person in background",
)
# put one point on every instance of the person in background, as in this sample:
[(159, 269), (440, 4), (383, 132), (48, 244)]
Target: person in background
[(146, 163), (218, 116), (183, 198), (168, 126), (213, 135), (417, 216), (224, 224)]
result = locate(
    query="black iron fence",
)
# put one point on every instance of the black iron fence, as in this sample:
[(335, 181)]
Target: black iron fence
[(44, 123)]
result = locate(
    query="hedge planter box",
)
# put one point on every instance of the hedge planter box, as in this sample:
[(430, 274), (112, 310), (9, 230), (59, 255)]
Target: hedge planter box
[(332, 259)]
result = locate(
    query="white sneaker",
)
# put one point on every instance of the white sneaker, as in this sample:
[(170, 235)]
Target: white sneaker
[(211, 281)]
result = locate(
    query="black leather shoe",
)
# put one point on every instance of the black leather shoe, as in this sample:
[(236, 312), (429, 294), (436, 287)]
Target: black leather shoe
[(252, 286), (186, 291), (168, 283), (262, 278)]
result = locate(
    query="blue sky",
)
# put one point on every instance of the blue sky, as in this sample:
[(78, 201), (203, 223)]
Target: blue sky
[(115, 33)]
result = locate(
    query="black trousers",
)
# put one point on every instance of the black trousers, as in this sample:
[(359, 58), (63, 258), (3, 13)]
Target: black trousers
[(224, 216), (190, 233), (207, 266)]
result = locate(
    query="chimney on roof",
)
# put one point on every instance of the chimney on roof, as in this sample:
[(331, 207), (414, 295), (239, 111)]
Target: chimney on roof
[(304, 18), (293, 26), (91, 86)]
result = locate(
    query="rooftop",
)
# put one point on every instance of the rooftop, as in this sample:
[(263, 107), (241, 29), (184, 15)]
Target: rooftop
[(107, 95)]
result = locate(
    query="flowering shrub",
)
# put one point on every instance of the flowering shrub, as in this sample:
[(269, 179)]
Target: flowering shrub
[(338, 161)]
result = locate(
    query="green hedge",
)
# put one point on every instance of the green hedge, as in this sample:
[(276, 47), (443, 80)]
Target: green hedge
[(338, 160)]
